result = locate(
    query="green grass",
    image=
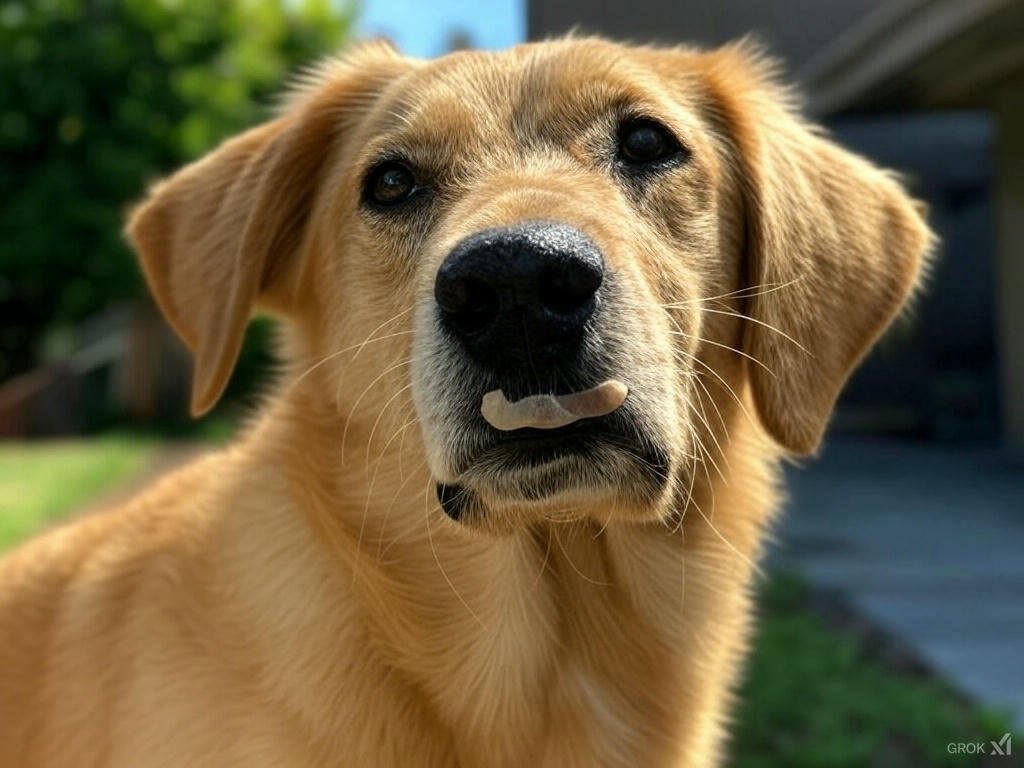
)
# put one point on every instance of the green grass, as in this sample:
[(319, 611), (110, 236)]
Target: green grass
[(816, 697), (42, 481)]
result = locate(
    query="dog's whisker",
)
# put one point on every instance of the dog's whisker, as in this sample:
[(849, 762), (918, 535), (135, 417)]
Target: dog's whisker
[(739, 352), (689, 491), (404, 312), (693, 480), (689, 356), (437, 560), (682, 568), (746, 560), (725, 427), (572, 565), (608, 518), (394, 500), (707, 475), (547, 554), (369, 441), (401, 449), (615, 499), (718, 411), (741, 293), (410, 409), (722, 381), (366, 510), (355, 406), (327, 358), (741, 316), (362, 523), (702, 417), (763, 324), (401, 479), (370, 496)]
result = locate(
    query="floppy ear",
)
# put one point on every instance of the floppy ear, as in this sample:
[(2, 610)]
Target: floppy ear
[(227, 232), (834, 247)]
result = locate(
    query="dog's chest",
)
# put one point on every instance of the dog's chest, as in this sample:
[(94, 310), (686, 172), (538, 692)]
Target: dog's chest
[(587, 675)]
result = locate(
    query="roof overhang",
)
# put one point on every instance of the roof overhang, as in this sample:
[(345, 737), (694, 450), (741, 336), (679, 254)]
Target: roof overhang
[(920, 54)]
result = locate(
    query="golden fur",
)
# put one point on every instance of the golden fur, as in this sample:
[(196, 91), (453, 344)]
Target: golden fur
[(298, 599)]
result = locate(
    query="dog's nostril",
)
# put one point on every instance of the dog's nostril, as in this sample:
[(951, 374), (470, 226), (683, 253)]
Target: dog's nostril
[(470, 303), (566, 288), (514, 295)]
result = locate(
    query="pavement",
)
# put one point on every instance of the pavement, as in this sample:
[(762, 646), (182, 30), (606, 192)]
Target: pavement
[(926, 541)]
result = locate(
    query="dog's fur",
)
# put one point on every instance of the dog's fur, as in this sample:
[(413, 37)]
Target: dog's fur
[(298, 598)]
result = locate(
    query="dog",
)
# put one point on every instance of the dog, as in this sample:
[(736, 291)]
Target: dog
[(374, 575)]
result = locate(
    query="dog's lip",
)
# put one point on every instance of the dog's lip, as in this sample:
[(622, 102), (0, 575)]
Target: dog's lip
[(532, 447), (589, 453), (589, 426)]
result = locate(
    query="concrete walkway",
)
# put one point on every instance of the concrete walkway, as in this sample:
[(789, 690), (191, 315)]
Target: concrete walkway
[(926, 541)]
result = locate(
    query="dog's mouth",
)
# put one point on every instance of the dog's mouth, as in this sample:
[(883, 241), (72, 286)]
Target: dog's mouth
[(588, 459), (530, 447)]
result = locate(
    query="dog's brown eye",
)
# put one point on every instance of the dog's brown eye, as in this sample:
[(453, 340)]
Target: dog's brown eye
[(642, 142), (390, 183)]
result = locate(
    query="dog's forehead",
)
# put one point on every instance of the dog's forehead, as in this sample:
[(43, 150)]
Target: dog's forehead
[(528, 89)]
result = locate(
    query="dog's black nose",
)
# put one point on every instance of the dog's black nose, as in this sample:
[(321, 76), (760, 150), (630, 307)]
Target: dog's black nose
[(520, 294)]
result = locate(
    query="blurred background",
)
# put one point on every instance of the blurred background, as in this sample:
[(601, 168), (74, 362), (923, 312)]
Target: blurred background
[(894, 598)]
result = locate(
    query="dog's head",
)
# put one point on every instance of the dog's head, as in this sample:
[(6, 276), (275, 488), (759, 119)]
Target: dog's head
[(539, 221)]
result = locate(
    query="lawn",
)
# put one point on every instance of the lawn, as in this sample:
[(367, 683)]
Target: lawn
[(41, 482), (815, 696), (819, 697)]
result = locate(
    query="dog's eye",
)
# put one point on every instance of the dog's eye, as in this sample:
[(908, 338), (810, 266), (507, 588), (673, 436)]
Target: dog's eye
[(390, 183), (643, 142)]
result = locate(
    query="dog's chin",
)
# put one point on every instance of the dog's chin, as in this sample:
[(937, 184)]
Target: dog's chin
[(558, 476)]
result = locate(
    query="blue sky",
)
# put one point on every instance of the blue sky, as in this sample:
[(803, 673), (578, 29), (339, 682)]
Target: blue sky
[(424, 27)]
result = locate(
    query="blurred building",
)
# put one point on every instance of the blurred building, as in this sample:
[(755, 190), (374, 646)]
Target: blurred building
[(124, 364), (934, 88)]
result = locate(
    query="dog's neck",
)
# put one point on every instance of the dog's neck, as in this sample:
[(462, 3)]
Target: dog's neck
[(497, 633)]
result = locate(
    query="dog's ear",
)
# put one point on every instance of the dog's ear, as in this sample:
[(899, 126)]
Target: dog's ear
[(834, 247), (227, 232)]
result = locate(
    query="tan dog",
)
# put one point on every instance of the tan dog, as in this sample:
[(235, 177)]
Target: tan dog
[(534, 221)]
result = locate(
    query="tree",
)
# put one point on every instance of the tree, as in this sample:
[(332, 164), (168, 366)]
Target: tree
[(97, 97)]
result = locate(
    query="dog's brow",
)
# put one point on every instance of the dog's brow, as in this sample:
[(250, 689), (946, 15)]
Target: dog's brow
[(535, 120), (551, 95)]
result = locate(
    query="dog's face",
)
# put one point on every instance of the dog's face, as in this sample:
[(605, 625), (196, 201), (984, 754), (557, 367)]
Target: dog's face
[(539, 221), (548, 204)]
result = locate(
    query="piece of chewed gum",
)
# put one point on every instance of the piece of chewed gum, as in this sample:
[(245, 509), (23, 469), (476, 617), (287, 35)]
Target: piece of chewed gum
[(552, 411)]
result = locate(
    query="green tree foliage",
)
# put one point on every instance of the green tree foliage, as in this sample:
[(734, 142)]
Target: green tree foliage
[(98, 97)]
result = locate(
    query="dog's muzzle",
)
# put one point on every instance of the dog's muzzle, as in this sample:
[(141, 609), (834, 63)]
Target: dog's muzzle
[(526, 315)]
